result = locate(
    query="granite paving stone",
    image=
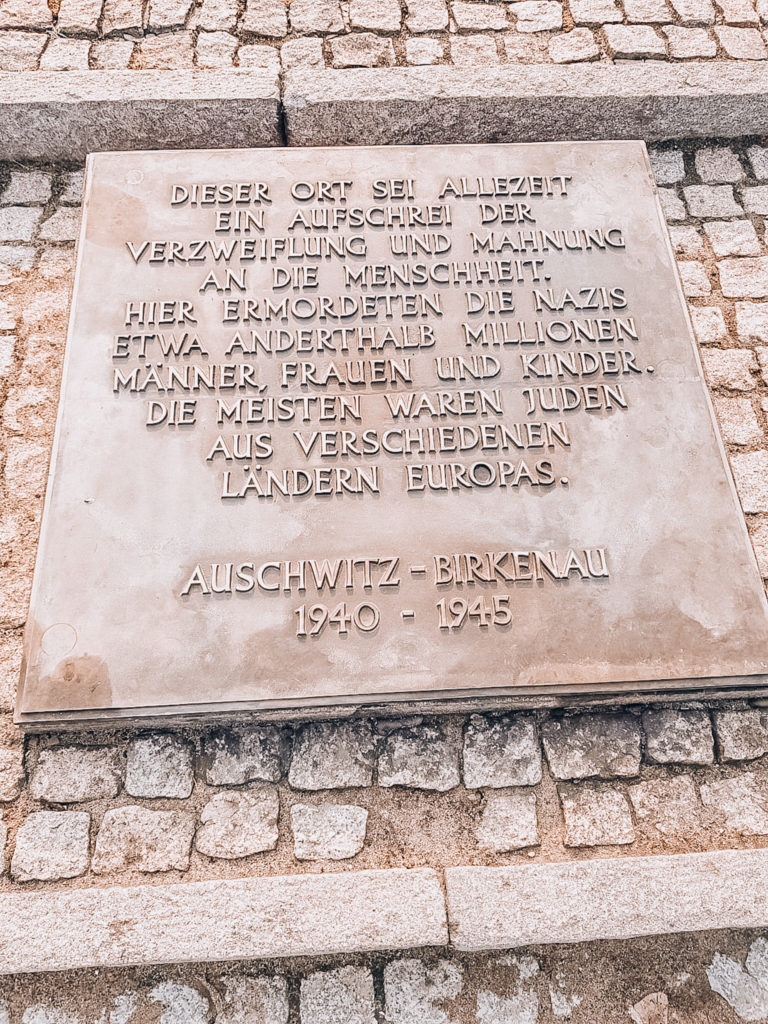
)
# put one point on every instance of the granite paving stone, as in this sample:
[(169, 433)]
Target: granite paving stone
[(476, 17), (18, 223), (685, 43), (424, 50), (332, 755), (508, 821), (577, 45), (595, 817), (341, 996), (375, 15), (717, 165), (687, 241), (3, 841), (27, 188), (733, 237), (111, 54), (328, 832), (634, 41), (758, 159), (738, 421), (537, 15), (678, 737), (159, 765), (168, 13), (694, 278), (424, 757), (300, 53), (755, 199), (217, 15), (468, 51), (238, 823), (316, 16), (738, 12), (732, 368), (671, 204), (654, 12), (592, 745), (716, 201), (62, 226), (419, 993), (240, 754), (595, 12), (247, 999), (70, 774), (500, 752), (362, 50), (51, 845), (750, 472), (752, 322), (742, 43), (144, 840), (670, 805), (166, 51), (426, 15), (742, 802), (266, 18), (215, 50), (122, 16), (72, 188), (257, 55), (20, 51), (667, 165), (744, 278), (25, 14), (741, 735), (12, 776)]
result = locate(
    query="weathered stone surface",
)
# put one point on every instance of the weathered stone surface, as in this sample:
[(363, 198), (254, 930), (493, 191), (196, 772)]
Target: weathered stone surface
[(246, 918), (62, 226), (733, 237), (647, 11), (716, 164), (343, 996), (427, 16), (301, 53), (416, 991), (66, 775), (332, 755), (362, 50), (376, 15), (424, 757), (711, 201), (266, 18), (758, 158), (750, 472), (577, 45), (687, 241), (137, 838), (424, 50), (508, 821), (595, 12), (18, 223), (634, 41), (316, 16), (738, 422), (168, 13), (669, 805), (12, 777), (605, 898), (678, 737), (246, 999), (475, 50), (741, 735), (501, 752), (112, 54), (159, 764), (330, 832), (25, 14), (259, 55), (166, 51), (694, 278), (685, 43), (744, 278), (742, 43), (78, 16), (742, 802), (602, 745), (667, 165), (215, 50), (595, 817), (51, 845), (755, 199), (218, 15), (123, 16), (730, 368), (242, 754), (27, 187), (239, 823), (20, 51), (537, 15)]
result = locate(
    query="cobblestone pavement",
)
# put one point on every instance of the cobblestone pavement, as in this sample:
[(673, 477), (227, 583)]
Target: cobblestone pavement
[(709, 978), (485, 789), (75, 35)]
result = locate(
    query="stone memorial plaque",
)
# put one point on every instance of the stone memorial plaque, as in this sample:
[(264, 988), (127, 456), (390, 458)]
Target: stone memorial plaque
[(364, 425)]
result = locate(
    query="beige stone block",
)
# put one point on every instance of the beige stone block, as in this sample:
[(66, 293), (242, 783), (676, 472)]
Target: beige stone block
[(424, 51), (25, 14), (634, 41), (745, 277), (685, 43), (266, 18), (78, 16), (20, 51), (471, 50), (732, 368), (375, 15), (577, 45), (738, 422), (750, 472), (362, 49), (321, 16), (426, 15), (742, 43)]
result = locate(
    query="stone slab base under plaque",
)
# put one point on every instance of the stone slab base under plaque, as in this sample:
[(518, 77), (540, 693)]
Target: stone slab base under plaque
[(364, 911)]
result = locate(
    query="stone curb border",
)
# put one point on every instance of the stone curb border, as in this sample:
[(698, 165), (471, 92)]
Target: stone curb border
[(397, 909), (62, 115)]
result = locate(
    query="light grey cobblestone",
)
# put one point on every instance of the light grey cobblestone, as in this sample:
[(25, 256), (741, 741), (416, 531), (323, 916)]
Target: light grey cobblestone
[(730, 368), (217, 16), (686, 241), (239, 823), (73, 774), (755, 199), (375, 15), (500, 752), (51, 845), (417, 992), (253, 1000), (742, 802), (733, 237), (316, 16), (744, 277), (667, 166), (63, 54), (694, 278), (688, 43), (508, 821), (752, 322), (123, 16), (329, 832), (332, 755), (711, 201), (27, 188), (159, 765), (426, 15), (758, 159), (12, 776), (750, 471), (738, 421), (18, 223), (742, 43), (670, 806), (595, 817), (25, 14), (718, 165), (20, 51), (342, 996), (242, 754), (362, 50), (300, 53), (111, 54), (589, 745), (425, 757), (145, 840), (577, 45), (671, 204), (741, 735), (537, 15), (424, 50), (168, 13), (678, 737), (633, 41)]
